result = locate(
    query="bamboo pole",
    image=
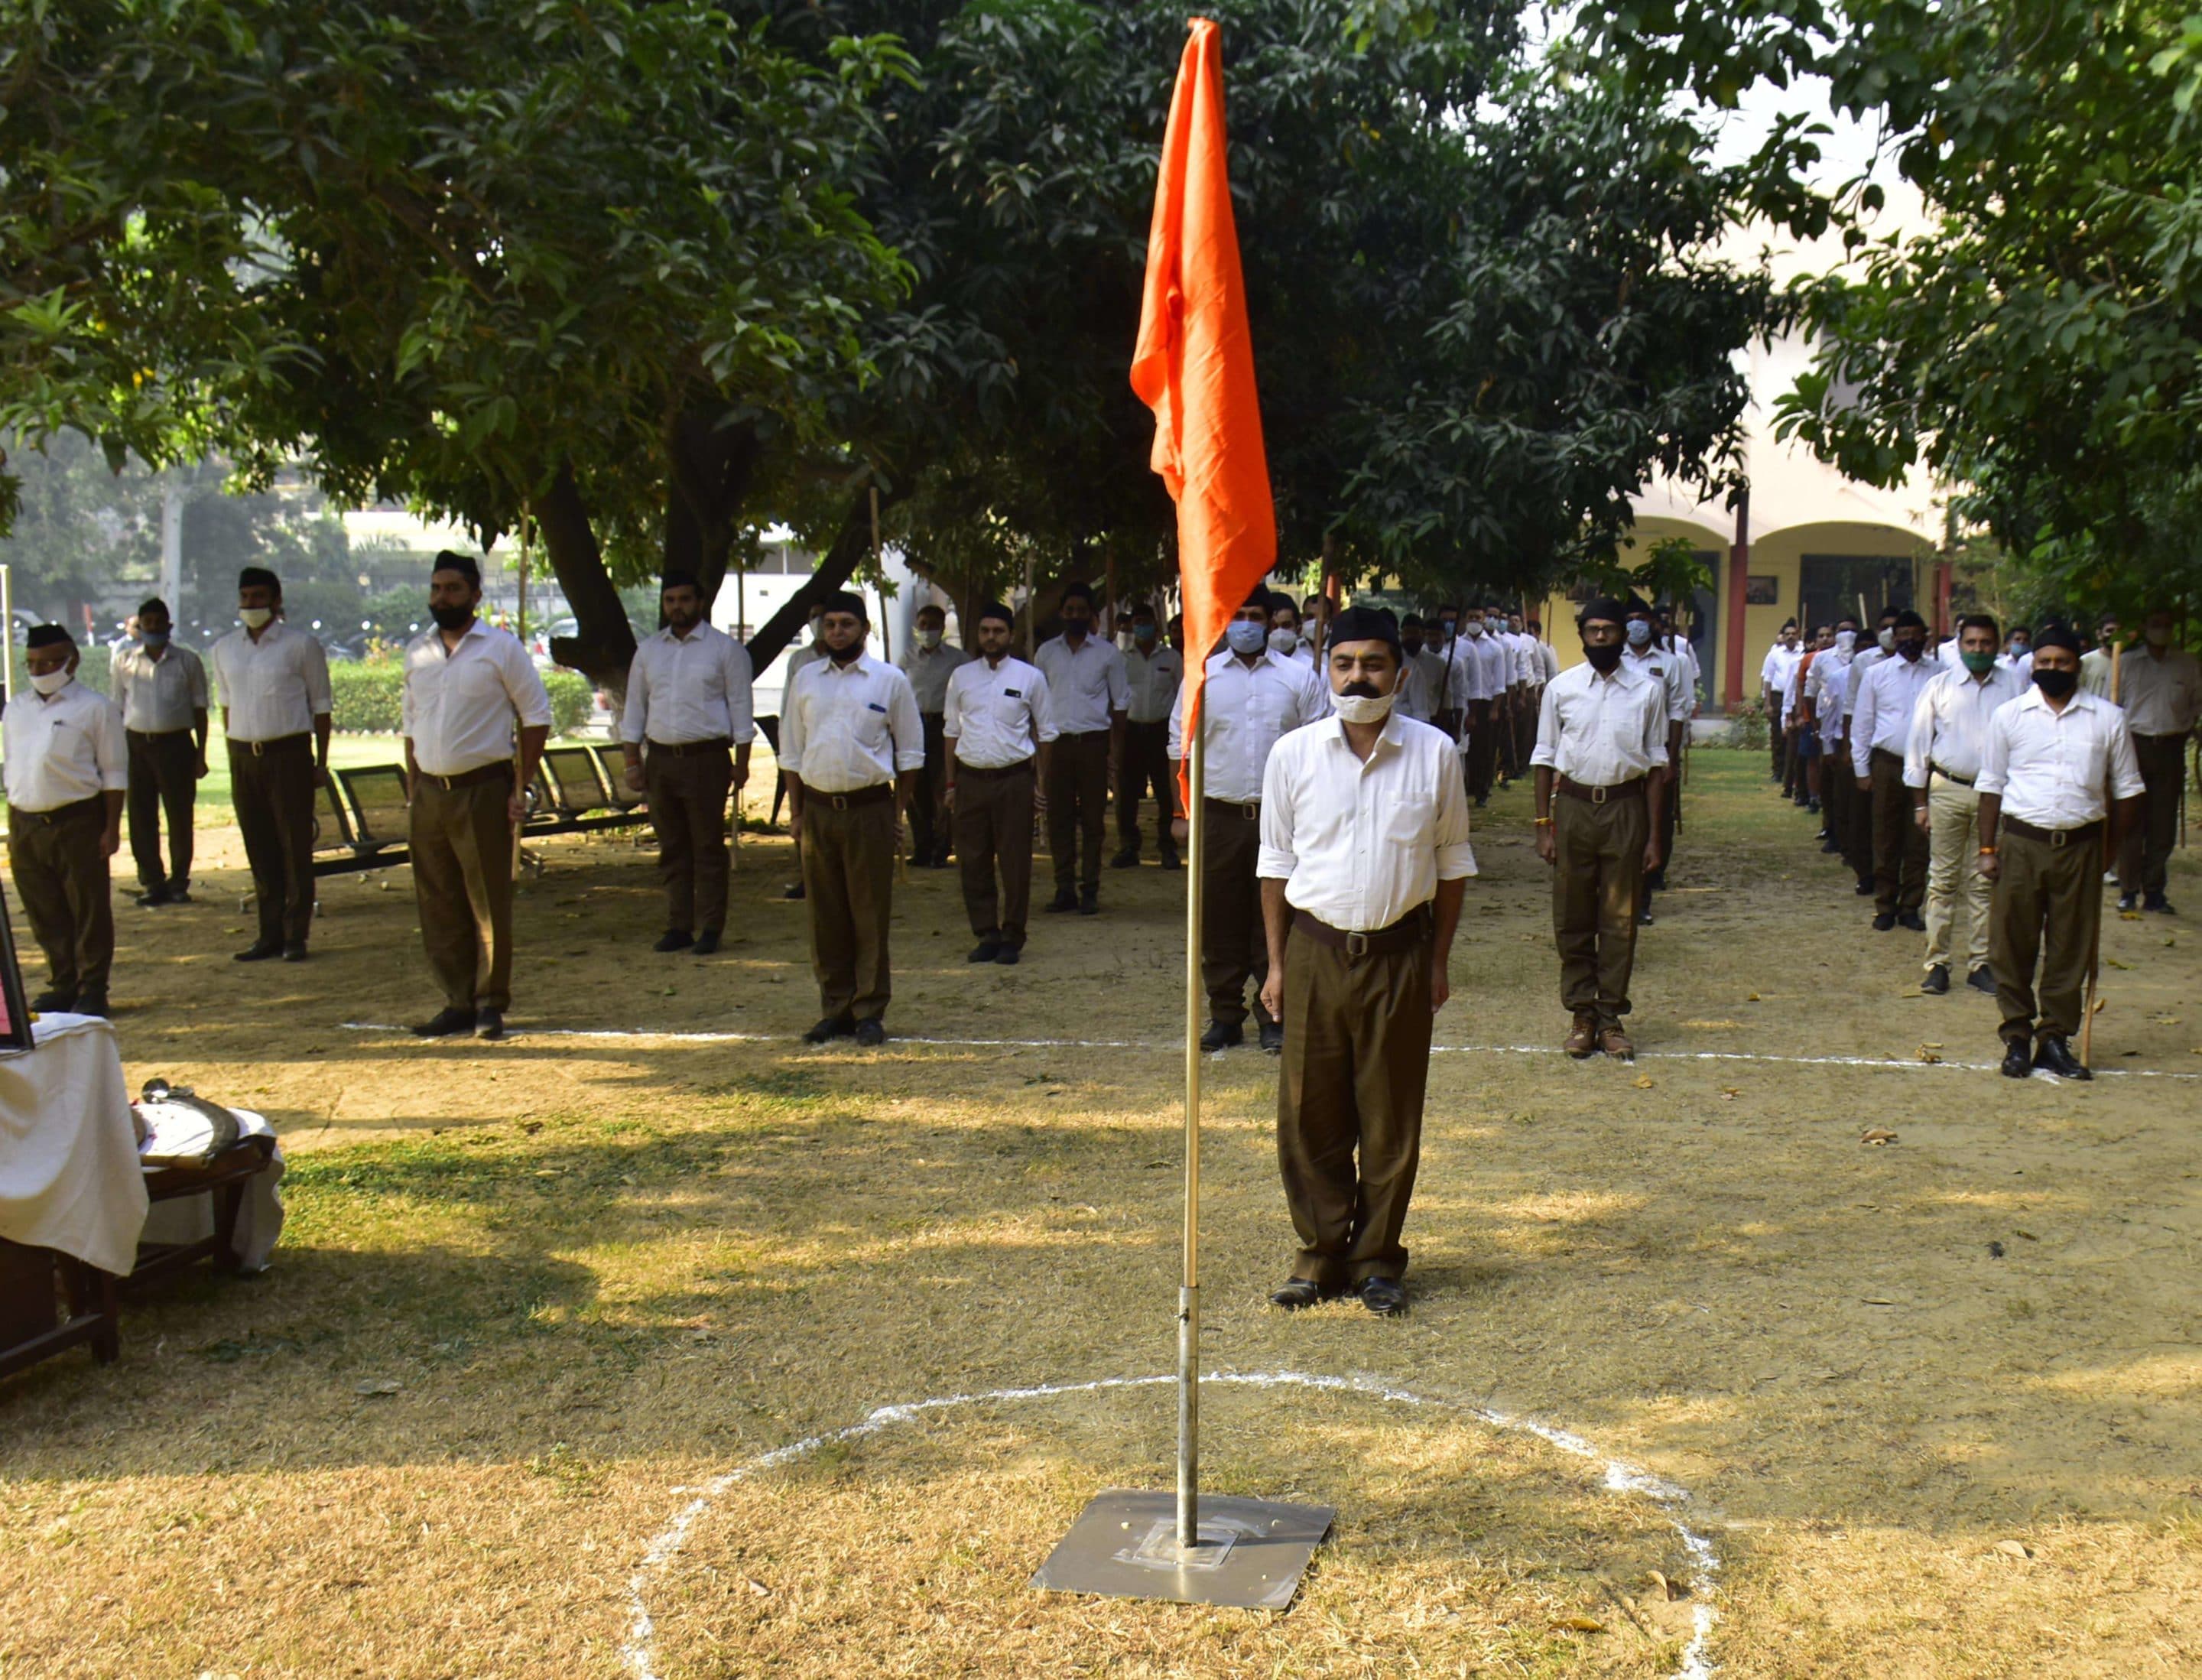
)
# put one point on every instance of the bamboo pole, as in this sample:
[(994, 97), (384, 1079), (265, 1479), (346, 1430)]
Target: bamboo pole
[(1188, 1294), (2090, 1004)]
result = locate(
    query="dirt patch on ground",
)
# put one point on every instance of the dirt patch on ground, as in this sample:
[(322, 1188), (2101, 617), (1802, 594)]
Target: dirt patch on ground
[(1936, 1400)]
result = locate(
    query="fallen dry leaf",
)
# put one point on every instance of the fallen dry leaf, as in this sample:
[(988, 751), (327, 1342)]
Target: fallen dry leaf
[(1643, 1082), (1929, 1053), (375, 1387), (1670, 1591), (1579, 1624), (1730, 1093), (2013, 1549), (1879, 1135), (1752, 998)]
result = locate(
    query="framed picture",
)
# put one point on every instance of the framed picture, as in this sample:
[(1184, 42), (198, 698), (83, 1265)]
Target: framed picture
[(14, 1006), (1762, 591)]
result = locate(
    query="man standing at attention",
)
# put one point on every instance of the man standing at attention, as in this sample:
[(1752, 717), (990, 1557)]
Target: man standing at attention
[(997, 722), (1365, 859), (1089, 693), (852, 744), (1602, 747), (1880, 734), (274, 685), (1152, 670), (2044, 770), (1253, 697), (928, 662), (161, 689), (1773, 673), (1942, 769), (473, 701), (65, 769), (2160, 688), (686, 732)]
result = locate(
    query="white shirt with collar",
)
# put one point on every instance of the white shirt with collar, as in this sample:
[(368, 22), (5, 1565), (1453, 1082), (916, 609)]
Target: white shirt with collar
[(1250, 709), (1887, 699), (1826, 688), (1153, 679), (1773, 672), (462, 704), (63, 748), (1656, 661), (1599, 730), (928, 670), (1950, 723), (1085, 684), (1498, 664), (695, 687), (1868, 655), (2160, 696), (1548, 658), (1469, 679), (160, 696), (851, 726), (996, 713), (2048, 767), (272, 688), (1441, 683), (1413, 702), (1360, 844)]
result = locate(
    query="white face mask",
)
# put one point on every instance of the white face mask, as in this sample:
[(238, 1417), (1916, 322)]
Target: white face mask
[(50, 682), (1362, 708), (1639, 632), (1887, 641), (1245, 637), (1846, 640), (928, 640), (255, 617), (1474, 627), (1284, 641)]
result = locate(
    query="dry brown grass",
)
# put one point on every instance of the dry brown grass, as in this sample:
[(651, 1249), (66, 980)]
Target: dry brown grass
[(604, 1270)]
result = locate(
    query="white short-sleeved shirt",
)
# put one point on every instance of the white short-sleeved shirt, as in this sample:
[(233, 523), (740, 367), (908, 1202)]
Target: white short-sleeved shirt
[(1085, 684), (2048, 767), (2160, 696), (847, 727), (1599, 730), (63, 748), (1360, 844), (995, 713), (462, 706), (159, 695), (695, 687), (271, 688), (1250, 708)]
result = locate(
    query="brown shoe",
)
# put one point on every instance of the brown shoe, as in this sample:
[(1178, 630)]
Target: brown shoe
[(1615, 1042), (1582, 1037)]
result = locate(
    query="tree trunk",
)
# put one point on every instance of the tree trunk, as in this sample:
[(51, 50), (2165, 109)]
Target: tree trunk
[(709, 471), (606, 646), (835, 567)]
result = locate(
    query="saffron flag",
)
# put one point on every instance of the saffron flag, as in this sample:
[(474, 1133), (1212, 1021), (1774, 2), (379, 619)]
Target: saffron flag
[(1194, 367)]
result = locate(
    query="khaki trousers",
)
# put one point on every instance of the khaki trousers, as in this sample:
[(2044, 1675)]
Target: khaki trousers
[(164, 782), (687, 793), (848, 877), (2145, 855), (273, 792), (1598, 886), (1357, 1062), (1899, 850), (1953, 875), (1077, 795), (1235, 947), (2047, 903), (994, 830), (61, 876), (461, 850), (1144, 768)]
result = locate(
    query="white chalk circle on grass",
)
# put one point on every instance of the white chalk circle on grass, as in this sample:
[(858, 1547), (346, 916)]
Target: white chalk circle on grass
[(1620, 1477)]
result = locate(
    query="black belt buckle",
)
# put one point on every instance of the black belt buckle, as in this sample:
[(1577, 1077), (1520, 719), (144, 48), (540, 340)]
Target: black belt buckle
[(259, 748), (1597, 795), (838, 801), (1357, 945), (2059, 837)]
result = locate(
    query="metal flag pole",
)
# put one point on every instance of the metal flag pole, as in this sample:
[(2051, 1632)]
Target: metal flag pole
[(1188, 1290)]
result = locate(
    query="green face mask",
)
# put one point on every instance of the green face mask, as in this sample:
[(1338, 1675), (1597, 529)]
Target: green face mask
[(1979, 664)]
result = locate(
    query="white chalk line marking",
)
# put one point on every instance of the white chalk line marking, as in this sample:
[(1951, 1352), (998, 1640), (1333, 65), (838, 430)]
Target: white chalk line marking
[(1175, 1048), (1620, 1476)]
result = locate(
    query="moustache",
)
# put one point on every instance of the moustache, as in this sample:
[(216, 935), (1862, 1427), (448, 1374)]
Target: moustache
[(1361, 690)]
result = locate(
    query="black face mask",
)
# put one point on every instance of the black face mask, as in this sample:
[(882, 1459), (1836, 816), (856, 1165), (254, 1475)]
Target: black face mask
[(1908, 649), (452, 618), (2056, 684), (1604, 660)]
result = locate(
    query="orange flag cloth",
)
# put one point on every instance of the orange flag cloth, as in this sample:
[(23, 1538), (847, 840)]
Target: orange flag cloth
[(1194, 367)]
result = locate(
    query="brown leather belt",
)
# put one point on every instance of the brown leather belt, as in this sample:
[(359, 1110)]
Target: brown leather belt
[(156, 734), (995, 773), (500, 771), (878, 793), (96, 806), (693, 749), (1251, 811), (280, 744), (2086, 831), (1408, 931), (1632, 789)]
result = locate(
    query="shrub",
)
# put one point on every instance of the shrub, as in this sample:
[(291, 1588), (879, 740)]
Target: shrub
[(368, 698)]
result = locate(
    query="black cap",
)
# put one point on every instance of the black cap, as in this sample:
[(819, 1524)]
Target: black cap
[(465, 565), (1607, 608), (848, 601), (1364, 624), (47, 636), (2056, 635), (259, 577)]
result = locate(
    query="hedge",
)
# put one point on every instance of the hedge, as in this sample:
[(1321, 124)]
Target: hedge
[(368, 698)]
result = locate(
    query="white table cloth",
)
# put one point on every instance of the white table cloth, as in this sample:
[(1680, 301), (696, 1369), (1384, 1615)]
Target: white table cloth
[(69, 1177)]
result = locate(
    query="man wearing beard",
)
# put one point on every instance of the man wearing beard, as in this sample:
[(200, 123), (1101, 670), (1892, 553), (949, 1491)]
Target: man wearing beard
[(688, 699), (1880, 734), (469, 691), (1602, 741), (1365, 859), (2045, 764), (996, 724)]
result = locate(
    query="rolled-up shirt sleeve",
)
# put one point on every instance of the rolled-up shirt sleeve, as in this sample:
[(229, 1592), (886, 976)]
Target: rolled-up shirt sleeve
[(908, 726), (951, 709), (1456, 857), (1919, 741), (1177, 726), (111, 753), (1655, 736), (198, 684), (1120, 685), (634, 716), (1276, 858), (1043, 711), (1547, 752), (1995, 753), (317, 661), (531, 700), (2125, 767), (789, 752)]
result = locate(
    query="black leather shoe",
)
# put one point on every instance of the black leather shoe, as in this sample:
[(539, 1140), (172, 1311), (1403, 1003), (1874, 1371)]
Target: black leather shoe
[(258, 953), (92, 1002), (1937, 981), (54, 1003), (1982, 979), (1643, 917), (295, 953), (1221, 1037), (2017, 1063), (1831, 847), (1864, 886), (1008, 956), (2055, 1055), (1062, 902), (153, 897), (489, 1024), (1884, 922), (941, 858), (985, 951), (1383, 1296), (1128, 858), (871, 1033), (1296, 1292), (792, 891), (1913, 919), (1089, 904), (2158, 902), (1655, 881), (180, 895), (1170, 860), (832, 1027), (2129, 903), (444, 1023), (1273, 1038), (674, 938), (707, 944)]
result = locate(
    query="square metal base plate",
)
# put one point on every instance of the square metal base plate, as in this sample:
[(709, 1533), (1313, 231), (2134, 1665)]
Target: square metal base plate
[(1251, 1553)]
